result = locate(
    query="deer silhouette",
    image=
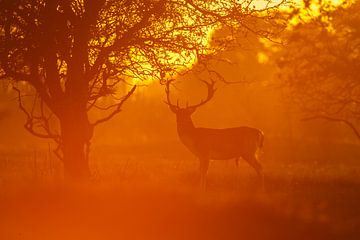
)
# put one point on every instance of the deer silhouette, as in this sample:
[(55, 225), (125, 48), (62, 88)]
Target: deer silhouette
[(216, 144)]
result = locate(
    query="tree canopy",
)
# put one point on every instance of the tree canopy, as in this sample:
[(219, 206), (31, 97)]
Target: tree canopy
[(320, 64)]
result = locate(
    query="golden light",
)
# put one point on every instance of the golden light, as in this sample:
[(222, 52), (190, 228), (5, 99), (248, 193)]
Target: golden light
[(307, 13)]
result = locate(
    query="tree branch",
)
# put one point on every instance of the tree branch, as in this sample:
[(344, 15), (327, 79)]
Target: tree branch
[(29, 125), (118, 108), (348, 123)]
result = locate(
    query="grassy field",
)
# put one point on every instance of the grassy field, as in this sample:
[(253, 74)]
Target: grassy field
[(153, 193)]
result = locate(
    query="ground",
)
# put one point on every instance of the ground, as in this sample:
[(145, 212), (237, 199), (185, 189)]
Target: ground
[(144, 193)]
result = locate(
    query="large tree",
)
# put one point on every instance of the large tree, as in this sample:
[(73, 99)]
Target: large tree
[(74, 53), (320, 63)]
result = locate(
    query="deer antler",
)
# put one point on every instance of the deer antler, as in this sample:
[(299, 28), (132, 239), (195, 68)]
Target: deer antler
[(175, 108), (211, 90)]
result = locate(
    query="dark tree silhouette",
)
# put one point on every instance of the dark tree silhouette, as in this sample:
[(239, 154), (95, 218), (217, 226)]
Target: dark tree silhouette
[(72, 54), (320, 63)]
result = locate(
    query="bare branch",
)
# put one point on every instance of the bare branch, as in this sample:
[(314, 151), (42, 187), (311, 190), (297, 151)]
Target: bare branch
[(31, 121), (118, 108), (347, 122)]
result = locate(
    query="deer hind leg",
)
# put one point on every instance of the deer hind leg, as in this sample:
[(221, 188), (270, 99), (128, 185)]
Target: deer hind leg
[(257, 166), (204, 165)]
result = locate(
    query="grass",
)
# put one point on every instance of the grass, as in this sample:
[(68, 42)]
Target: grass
[(147, 192)]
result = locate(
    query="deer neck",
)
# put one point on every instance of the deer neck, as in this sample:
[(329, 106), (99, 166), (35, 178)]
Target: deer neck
[(187, 133), (185, 127)]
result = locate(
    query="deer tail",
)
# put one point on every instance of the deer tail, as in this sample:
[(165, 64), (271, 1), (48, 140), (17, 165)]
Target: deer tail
[(261, 139), (260, 144)]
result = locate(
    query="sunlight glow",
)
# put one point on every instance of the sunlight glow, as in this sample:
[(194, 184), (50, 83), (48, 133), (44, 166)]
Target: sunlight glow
[(313, 10), (188, 58), (145, 72), (262, 57)]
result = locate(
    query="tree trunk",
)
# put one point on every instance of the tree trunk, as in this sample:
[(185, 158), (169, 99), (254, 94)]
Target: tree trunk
[(76, 133)]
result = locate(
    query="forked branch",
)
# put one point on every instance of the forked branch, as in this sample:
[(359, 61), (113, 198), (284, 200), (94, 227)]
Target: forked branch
[(117, 108), (32, 121), (42, 121)]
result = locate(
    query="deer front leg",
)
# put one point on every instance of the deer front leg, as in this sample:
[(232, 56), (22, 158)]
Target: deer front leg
[(204, 165)]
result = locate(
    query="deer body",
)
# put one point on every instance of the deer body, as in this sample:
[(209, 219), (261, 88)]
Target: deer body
[(217, 144), (222, 144)]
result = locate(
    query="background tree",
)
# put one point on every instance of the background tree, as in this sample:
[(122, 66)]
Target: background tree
[(74, 56), (320, 64)]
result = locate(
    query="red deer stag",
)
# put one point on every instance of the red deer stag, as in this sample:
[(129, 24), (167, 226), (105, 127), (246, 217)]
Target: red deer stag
[(216, 144)]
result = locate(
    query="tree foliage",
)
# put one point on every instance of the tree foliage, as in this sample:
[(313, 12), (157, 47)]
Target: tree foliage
[(320, 65)]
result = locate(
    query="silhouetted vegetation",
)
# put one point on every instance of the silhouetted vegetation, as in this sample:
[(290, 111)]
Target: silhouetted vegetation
[(319, 63)]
